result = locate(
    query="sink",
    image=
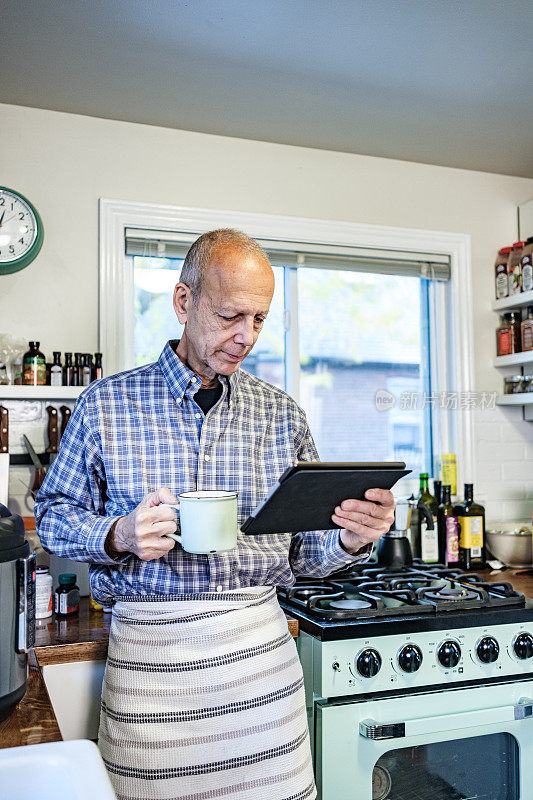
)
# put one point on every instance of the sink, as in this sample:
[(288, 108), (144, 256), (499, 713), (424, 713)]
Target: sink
[(72, 770)]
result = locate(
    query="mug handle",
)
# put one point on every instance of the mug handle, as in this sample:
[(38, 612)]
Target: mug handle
[(175, 536)]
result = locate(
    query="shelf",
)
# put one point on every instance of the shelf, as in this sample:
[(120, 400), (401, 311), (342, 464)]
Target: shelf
[(40, 392), (515, 301), (521, 399), (516, 359)]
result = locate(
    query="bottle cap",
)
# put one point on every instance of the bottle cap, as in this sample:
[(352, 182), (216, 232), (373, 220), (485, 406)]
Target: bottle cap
[(35, 345), (42, 569), (516, 245), (505, 251), (448, 456), (66, 578)]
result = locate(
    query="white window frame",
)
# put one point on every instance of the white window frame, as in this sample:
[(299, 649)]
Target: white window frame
[(116, 298)]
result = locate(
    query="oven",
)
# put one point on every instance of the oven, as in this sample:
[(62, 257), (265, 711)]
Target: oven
[(461, 744), (419, 684)]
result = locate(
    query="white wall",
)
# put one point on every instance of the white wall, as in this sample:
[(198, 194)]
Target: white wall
[(64, 163)]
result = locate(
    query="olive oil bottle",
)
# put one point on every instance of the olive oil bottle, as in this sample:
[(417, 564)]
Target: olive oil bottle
[(448, 530), (427, 537), (471, 522)]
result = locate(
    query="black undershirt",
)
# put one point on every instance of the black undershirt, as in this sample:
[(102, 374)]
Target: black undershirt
[(206, 398)]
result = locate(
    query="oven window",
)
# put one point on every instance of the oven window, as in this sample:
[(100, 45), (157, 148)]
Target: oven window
[(478, 768)]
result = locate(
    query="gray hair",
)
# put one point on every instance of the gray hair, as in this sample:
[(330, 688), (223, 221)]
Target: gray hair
[(192, 271)]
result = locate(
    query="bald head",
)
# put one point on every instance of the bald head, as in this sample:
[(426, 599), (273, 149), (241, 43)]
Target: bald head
[(201, 253)]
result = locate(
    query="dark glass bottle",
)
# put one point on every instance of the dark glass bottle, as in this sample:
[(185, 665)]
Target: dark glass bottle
[(68, 371), (448, 530), (471, 522), (77, 376), (34, 366), (98, 371), (88, 369), (437, 492), (427, 538)]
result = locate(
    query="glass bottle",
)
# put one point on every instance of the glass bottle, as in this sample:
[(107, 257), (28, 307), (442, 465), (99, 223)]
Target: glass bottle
[(471, 522), (98, 371), (34, 366), (527, 330), (68, 371), (508, 334), (448, 471), (56, 370), (427, 538), (86, 369), (77, 374), (437, 492), (448, 530)]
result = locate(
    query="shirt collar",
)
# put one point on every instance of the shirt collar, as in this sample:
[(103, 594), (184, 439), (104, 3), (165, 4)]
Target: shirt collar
[(179, 377)]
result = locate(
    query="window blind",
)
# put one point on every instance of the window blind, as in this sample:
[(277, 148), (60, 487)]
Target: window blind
[(170, 244)]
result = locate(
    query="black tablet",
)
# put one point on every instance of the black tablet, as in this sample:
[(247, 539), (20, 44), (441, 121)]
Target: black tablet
[(305, 496)]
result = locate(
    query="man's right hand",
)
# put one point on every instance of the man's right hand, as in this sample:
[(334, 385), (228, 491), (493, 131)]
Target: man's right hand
[(143, 531)]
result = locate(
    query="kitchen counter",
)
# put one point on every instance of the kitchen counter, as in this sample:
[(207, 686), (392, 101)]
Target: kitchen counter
[(82, 637)]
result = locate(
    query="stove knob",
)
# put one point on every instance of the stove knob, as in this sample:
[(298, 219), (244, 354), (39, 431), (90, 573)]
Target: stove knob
[(449, 654), (523, 645), (488, 650), (410, 658), (368, 663)]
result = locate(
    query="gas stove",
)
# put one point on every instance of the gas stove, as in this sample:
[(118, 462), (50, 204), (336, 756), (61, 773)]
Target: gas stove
[(423, 625), (400, 666)]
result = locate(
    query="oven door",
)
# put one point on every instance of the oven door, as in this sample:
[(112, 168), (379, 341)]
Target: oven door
[(462, 744)]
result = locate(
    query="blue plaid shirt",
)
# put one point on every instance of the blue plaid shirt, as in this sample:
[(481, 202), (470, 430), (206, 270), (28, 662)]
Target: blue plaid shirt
[(140, 430)]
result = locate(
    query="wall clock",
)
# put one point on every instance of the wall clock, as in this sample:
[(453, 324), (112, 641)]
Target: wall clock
[(21, 231)]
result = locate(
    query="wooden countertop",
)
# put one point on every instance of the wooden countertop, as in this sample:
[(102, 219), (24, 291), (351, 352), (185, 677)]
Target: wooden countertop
[(84, 637)]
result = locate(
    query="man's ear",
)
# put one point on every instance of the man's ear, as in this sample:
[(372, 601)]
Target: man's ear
[(182, 301)]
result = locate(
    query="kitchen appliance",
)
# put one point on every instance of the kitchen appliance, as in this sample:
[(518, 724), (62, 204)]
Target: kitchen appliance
[(419, 683), (394, 549), (17, 607)]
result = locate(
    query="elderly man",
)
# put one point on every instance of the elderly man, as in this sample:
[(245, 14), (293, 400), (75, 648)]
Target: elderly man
[(203, 695)]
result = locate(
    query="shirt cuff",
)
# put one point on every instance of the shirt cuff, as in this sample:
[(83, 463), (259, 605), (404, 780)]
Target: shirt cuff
[(96, 540), (337, 556)]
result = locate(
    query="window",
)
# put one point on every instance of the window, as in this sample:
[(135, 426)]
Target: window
[(338, 337), (412, 423)]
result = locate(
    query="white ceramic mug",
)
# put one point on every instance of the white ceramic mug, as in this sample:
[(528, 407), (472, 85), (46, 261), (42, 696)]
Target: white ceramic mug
[(207, 521)]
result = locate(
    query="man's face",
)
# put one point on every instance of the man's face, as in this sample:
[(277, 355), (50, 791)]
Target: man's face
[(235, 298)]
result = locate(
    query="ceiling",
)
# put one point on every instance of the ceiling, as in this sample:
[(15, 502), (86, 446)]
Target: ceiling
[(444, 82)]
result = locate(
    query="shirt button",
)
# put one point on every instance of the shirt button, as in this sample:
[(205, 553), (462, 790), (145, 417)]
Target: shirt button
[(219, 588), (194, 379), (207, 458), (197, 416)]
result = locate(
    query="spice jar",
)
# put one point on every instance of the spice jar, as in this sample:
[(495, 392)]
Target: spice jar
[(527, 383), (508, 335), (514, 268), (512, 384), (500, 270), (527, 266), (67, 595)]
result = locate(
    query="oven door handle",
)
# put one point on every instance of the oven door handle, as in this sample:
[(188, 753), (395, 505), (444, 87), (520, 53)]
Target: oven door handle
[(370, 729)]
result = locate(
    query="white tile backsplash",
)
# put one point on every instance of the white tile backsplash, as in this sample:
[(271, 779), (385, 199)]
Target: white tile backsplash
[(504, 464)]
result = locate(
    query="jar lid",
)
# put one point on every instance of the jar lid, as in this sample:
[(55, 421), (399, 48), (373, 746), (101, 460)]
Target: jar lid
[(513, 378), (505, 251), (42, 569), (516, 245), (66, 578)]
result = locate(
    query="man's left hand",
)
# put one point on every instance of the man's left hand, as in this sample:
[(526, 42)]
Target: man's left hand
[(364, 521)]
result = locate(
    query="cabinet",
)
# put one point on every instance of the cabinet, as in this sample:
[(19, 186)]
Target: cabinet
[(521, 361)]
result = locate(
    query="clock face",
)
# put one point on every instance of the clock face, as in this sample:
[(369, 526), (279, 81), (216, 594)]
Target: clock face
[(20, 231)]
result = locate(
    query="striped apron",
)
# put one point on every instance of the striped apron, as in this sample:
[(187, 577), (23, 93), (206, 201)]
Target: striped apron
[(202, 698)]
